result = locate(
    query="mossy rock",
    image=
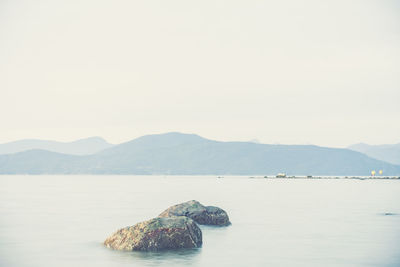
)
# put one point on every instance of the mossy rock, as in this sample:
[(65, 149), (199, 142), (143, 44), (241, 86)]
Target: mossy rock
[(157, 234), (206, 215)]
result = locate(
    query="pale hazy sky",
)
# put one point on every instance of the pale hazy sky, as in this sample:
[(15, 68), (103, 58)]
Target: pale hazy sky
[(294, 72)]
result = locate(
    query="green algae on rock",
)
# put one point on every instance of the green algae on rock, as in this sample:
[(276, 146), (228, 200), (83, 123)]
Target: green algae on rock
[(207, 215), (157, 234)]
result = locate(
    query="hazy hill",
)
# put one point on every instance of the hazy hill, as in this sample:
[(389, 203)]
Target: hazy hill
[(86, 146), (388, 153), (176, 153)]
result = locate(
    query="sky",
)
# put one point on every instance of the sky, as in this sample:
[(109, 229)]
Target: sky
[(288, 72)]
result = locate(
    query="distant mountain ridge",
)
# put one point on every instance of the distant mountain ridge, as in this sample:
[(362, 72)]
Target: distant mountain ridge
[(85, 146), (389, 152), (184, 154)]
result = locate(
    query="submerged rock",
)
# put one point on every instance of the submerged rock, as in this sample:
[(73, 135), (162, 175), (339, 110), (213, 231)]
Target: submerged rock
[(389, 214), (157, 234), (207, 215)]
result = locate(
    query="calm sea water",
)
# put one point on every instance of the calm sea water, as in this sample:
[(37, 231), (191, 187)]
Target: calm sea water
[(63, 220)]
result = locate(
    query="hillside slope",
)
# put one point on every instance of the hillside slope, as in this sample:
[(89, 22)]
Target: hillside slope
[(388, 153)]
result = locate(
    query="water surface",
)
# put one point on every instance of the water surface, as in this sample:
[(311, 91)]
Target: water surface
[(63, 220)]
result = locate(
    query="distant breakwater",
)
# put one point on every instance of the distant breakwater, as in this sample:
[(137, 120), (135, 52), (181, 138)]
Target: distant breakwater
[(327, 177)]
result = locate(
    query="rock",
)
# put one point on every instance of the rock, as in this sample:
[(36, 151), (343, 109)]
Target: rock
[(389, 214), (201, 214), (157, 234)]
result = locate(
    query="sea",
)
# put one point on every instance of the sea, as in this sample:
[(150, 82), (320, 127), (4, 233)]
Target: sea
[(62, 220)]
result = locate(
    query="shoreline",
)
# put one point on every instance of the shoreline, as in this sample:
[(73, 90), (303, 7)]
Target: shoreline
[(333, 177)]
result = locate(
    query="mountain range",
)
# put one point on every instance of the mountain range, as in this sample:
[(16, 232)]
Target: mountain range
[(85, 146), (184, 154), (388, 153)]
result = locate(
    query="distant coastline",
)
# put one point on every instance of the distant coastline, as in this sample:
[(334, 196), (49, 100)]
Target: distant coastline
[(335, 177), (189, 154)]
